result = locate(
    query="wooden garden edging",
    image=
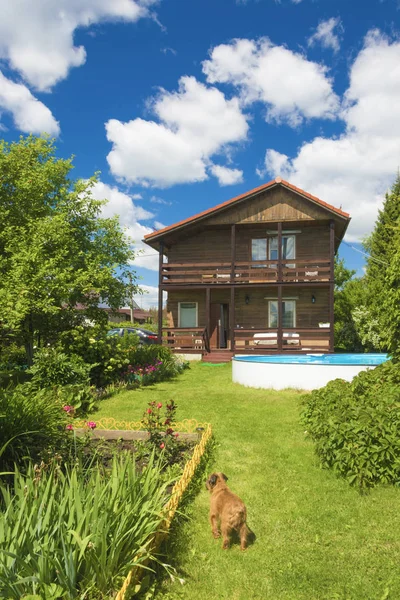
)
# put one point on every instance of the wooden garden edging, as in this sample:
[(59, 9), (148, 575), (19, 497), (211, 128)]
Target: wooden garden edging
[(188, 426), (136, 573)]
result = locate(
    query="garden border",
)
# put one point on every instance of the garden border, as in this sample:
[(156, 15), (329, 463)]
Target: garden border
[(187, 426), (135, 574)]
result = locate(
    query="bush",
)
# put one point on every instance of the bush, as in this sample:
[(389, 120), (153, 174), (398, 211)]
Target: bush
[(355, 426), (149, 364), (12, 357), (95, 528), (31, 421), (52, 367)]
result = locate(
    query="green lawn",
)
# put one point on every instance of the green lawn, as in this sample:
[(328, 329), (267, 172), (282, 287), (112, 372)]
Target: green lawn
[(317, 538)]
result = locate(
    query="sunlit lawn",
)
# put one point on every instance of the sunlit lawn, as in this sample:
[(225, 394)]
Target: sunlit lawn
[(317, 538)]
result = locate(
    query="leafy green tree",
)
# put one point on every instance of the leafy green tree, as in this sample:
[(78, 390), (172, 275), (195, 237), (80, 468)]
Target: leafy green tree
[(348, 294), (380, 276), (56, 251), (390, 312)]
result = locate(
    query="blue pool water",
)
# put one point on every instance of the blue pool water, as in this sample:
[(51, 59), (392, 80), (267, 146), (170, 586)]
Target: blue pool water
[(318, 359)]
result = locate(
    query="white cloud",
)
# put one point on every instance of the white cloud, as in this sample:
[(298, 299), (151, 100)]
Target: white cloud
[(150, 297), (355, 169), (130, 215), (37, 37), (227, 176), (325, 34), (159, 225), (292, 87), (157, 200), (195, 123), (28, 113)]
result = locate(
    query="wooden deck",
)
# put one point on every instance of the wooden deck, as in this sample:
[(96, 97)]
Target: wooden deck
[(246, 272)]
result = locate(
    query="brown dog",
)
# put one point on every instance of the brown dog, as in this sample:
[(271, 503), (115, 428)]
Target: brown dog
[(227, 508)]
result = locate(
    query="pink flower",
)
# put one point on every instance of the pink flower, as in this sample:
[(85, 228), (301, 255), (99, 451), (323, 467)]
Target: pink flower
[(69, 427), (68, 408), (91, 424), (162, 446), (176, 435), (149, 411), (159, 405)]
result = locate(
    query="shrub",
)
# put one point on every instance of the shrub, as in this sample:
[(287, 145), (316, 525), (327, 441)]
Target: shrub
[(31, 422), (96, 526), (148, 364), (82, 399), (53, 367), (355, 426), (12, 357), (161, 436)]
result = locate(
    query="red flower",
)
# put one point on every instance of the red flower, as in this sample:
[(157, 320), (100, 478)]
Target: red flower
[(149, 411), (69, 427), (176, 435), (91, 424), (159, 405), (169, 431), (162, 446)]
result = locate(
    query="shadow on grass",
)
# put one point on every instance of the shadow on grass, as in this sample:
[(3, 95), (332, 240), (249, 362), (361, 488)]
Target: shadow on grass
[(174, 543)]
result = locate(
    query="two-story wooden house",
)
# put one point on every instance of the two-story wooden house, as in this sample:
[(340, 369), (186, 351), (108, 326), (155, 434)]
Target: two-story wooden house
[(252, 275)]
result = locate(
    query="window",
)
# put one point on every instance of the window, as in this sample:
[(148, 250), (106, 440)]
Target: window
[(259, 249), (187, 314), (288, 313), (263, 247)]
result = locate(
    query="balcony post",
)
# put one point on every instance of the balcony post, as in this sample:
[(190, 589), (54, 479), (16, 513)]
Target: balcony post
[(280, 307), (160, 290), (332, 285), (232, 319), (233, 252), (208, 310)]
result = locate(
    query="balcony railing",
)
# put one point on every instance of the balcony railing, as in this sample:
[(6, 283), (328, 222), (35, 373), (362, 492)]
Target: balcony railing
[(300, 339), (186, 339), (245, 272)]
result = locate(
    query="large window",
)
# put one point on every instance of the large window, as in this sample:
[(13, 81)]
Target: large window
[(267, 248), (288, 313), (187, 314)]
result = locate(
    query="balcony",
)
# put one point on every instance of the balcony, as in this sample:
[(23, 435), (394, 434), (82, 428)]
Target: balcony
[(247, 272)]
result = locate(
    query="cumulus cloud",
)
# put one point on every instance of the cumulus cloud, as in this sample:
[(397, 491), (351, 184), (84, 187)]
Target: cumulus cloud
[(355, 169), (326, 35), (149, 299), (193, 124), (291, 87), (129, 215), (227, 176), (28, 113), (37, 37)]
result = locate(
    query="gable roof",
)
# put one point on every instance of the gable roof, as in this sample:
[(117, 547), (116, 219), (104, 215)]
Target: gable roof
[(220, 207)]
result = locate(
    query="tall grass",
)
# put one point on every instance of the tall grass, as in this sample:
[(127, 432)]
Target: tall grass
[(70, 534)]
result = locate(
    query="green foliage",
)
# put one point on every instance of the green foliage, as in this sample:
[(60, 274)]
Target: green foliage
[(81, 397), (52, 368), (55, 249), (382, 271), (155, 363), (161, 436), (85, 542), (31, 422), (348, 294), (355, 426), (12, 357)]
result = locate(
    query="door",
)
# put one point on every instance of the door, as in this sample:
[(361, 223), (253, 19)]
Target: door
[(219, 325)]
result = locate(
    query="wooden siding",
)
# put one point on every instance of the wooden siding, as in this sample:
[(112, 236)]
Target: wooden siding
[(278, 204), (215, 245), (255, 313)]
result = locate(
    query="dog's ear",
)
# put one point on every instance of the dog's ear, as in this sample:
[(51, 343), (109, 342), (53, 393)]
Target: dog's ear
[(224, 476), (213, 479)]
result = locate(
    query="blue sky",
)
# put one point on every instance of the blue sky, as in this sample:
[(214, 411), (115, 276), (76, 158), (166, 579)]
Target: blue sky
[(184, 104)]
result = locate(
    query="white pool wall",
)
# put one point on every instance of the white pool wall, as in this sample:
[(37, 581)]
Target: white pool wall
[(279, 376)]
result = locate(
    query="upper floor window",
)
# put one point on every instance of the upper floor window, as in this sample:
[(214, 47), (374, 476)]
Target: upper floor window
[(267, 248)]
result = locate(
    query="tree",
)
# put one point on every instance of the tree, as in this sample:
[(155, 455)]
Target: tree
[(381, 246), (348, 294), (55, 249)]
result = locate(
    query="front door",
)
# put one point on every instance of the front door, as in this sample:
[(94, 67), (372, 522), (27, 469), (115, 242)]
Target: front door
[(219, 325)]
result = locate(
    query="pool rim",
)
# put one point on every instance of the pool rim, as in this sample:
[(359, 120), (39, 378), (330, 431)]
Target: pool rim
[(274, 361)]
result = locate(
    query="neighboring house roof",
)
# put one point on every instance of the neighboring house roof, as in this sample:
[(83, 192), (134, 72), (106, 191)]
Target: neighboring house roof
[(277, 181)]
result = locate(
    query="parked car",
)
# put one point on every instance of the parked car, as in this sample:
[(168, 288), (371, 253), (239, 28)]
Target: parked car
[(146, 337)]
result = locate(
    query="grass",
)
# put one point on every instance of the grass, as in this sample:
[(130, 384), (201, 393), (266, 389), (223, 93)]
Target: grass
[(317, 538)]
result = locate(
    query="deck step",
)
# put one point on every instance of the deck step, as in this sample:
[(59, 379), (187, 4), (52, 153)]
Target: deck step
[(218, 356)]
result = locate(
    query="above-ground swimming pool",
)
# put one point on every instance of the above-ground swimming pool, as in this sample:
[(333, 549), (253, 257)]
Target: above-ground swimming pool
[(301, 371)]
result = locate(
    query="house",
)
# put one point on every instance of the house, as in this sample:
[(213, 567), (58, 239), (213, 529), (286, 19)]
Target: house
[(252, 275), (139, 315)]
